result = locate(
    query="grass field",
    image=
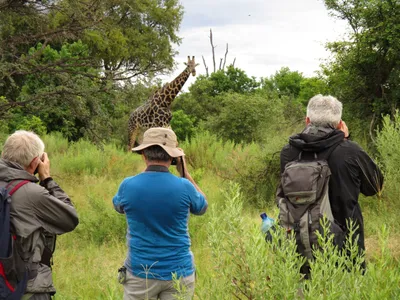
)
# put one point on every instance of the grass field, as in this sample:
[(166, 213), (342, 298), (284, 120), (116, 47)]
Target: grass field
[(233, 261)]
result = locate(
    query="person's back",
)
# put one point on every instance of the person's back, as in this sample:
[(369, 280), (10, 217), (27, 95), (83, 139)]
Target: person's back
[(38, 212), (157, 205), (353, 171), (158, 213)]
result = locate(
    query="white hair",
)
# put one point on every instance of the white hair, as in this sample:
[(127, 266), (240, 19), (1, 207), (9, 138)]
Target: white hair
[(22, 147), (324, 111)]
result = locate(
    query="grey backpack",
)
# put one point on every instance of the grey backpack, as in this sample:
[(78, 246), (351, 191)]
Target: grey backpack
[(303, 199)]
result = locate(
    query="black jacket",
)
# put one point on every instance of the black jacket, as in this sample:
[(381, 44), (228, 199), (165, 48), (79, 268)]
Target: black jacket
[(353, 171)]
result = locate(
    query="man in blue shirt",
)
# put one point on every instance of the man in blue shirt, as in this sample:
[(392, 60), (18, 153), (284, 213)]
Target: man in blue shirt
[(157, 205)]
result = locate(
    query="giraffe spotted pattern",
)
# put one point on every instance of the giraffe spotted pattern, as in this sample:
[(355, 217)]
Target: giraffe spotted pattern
[(156, 111)]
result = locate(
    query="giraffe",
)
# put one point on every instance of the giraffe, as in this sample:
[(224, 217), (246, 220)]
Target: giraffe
[(156, 111)]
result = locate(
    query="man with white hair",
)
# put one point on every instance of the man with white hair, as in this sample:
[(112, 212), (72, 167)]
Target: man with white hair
[(353, 171), (38, 212)]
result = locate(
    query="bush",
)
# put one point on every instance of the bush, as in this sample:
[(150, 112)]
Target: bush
[(32, 123), (182, 125), (99, 222), (55, 143), (388, 146), (250, 268), (256, 168), (245, 118), (83, 157)]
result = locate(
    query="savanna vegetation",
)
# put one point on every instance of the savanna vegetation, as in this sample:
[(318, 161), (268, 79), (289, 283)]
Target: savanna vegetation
[(73, 70)]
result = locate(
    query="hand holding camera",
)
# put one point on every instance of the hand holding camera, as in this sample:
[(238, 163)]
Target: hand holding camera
[(343, 127), (44, 167), (180, 165)]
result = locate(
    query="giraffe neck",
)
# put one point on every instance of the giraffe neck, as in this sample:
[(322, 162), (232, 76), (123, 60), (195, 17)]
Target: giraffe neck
[(170, 90)]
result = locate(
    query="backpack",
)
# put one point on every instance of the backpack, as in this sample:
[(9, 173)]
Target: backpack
[(303, 200), (13, 273)]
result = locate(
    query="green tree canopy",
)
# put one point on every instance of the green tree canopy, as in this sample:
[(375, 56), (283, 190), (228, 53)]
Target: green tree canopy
[(287, 82), (365, 70), (62, 59), (202, 101)]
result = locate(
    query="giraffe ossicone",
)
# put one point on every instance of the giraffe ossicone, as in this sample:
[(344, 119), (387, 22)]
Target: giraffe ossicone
[(156, 111)]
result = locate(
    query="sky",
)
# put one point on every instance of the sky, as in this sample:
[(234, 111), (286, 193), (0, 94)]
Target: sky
[(263, 35)]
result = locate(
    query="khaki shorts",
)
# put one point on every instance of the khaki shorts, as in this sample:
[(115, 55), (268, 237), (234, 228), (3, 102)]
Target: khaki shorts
[(136, 288)]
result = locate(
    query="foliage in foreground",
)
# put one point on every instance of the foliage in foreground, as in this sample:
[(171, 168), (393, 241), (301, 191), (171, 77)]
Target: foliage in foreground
[(231, 255)]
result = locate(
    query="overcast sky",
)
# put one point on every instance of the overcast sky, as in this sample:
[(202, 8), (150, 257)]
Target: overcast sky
[(263, 35)]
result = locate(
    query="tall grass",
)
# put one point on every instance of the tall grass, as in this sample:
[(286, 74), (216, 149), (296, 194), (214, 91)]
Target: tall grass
[(233, 260)]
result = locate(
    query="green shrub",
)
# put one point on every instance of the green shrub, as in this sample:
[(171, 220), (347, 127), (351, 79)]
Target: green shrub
[(388, 145), (182, 125), (250, 268), (32, 123), (55, 143), (100, 223), (83, 157), (256, 168)]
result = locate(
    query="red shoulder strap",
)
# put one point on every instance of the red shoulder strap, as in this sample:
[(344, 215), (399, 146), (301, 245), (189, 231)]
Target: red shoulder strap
[(15, 188)]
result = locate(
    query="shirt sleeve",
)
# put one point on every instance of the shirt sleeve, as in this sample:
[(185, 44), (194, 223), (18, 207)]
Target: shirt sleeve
[(371, 175), (198, 203), (53, 208), (118, 199)]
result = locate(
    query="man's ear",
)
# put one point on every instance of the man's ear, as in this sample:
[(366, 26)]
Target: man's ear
[(308, 121), (33, 165), (339, 125)]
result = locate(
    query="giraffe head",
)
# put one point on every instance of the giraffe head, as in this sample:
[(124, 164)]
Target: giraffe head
[(191, 65)]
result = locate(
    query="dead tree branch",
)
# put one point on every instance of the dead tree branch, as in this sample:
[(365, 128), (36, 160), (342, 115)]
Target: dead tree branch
[(205, 65), (212, 48), (226, 53)]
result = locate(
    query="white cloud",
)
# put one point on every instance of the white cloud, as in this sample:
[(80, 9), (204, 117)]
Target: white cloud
[(263, 36)]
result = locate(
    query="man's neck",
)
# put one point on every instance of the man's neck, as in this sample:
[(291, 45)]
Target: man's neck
[(158, 163)]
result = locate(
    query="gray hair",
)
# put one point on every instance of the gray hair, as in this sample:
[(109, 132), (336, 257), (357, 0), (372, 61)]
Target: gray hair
[(324, 111), (22, 147), (156, 153)]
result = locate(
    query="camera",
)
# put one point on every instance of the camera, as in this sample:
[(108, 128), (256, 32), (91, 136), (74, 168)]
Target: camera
[(36, 170), (175, 160)]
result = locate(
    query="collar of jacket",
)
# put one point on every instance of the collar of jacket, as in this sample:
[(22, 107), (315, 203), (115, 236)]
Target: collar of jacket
[(12, 171), (316, 139), (157, 168)]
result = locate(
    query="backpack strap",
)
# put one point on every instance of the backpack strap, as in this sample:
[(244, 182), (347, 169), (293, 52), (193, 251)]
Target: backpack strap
[(301, 152), (16, 187)]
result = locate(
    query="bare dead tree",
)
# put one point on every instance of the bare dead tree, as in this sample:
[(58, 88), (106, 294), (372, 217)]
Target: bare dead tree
[(205, 65), (212, 48), (222, 62), (226, 53), (233, 64)]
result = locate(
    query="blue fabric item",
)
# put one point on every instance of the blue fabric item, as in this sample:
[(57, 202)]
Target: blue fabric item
[(157, 206)]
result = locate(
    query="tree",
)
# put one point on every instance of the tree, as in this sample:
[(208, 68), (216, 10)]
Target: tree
[(288, 82), (203, 100), (183, 125), (222, 61), (311, 86), (365, 70), (292, 86), (69, 55), (244, 118)]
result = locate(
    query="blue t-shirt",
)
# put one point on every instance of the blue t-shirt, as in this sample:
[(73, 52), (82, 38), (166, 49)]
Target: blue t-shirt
[(157, 207)]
